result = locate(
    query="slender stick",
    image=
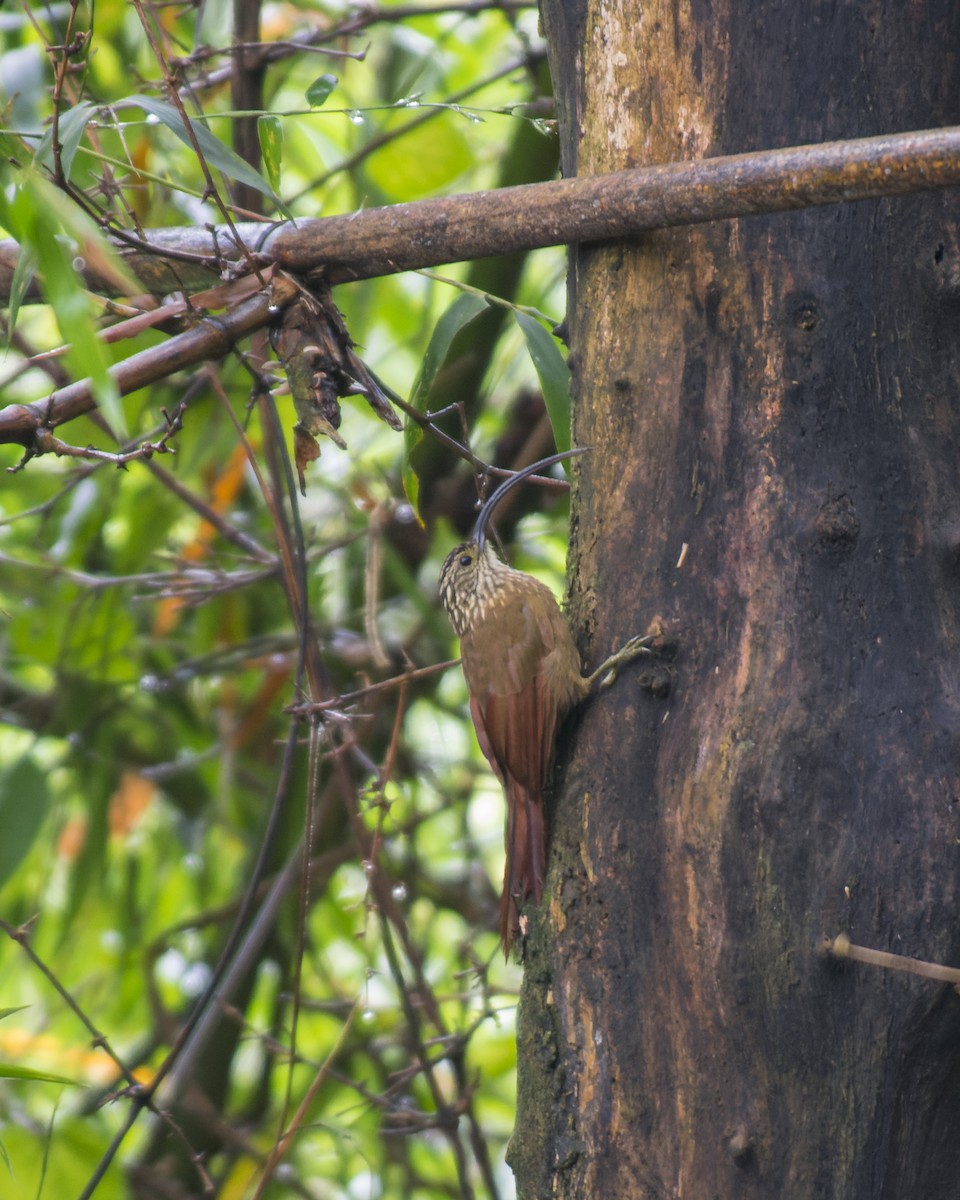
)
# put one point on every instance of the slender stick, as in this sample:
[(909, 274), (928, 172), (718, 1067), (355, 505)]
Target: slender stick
[(842, 947)]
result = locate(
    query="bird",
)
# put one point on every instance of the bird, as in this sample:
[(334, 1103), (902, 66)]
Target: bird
[(524, 676)]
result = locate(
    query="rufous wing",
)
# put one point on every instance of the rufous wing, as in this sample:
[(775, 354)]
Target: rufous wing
[(515, 712)]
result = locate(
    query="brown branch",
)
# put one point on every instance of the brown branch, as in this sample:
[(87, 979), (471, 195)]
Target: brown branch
[(428, 233), (211, 338), (44, 442), (431, 232)]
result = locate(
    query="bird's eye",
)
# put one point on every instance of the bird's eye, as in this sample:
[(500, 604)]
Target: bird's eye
[(465, 560)]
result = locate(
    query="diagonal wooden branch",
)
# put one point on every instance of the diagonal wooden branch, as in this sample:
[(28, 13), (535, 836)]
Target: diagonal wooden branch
[(211, 337), (429, 233)]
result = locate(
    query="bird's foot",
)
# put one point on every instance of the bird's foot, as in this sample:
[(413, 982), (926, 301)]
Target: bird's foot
[(606, 673)]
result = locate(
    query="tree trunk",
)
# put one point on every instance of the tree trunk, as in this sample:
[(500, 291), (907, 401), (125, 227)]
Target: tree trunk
[(773, 406)]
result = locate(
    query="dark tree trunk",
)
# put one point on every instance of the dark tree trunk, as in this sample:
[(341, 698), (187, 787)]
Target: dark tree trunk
[(779, 396)]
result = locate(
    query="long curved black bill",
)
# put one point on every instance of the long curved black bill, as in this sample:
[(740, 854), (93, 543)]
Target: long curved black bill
[(483, 517)]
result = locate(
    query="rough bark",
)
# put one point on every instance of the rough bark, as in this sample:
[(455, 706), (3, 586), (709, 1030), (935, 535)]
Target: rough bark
[(779, 396)]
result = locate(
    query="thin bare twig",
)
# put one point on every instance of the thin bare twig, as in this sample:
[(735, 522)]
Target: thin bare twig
[(141, 1095), (842, 947), (46, 443), (357, 22), (174, 95), (426, 113)]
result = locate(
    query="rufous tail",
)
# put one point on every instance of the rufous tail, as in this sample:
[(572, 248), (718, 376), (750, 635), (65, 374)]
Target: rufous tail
[(526, 859)]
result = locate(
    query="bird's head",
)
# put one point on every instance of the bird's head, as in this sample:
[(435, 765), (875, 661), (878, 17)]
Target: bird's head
[(469, 573)]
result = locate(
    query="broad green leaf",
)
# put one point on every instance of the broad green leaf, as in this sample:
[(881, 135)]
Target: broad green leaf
[(463, 310), (422, 162), (214, 151), (553, 373), (8, 1071), (24, 800), (319, 91), (270, 132), (72, 123)]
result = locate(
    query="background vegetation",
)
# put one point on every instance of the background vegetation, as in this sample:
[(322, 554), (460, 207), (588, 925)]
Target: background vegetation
[(175, 732)]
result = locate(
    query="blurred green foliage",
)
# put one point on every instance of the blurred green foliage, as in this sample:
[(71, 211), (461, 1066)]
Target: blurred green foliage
[(158, 783)]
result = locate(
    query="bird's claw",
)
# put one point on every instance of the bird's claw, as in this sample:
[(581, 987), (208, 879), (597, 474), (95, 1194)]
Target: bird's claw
[(606, 674)]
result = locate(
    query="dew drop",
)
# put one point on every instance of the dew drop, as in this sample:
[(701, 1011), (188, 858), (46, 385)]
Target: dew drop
[(547, 128)]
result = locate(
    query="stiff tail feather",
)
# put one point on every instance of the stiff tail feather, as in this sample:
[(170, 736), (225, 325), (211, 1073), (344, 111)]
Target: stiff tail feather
[(526, 867)]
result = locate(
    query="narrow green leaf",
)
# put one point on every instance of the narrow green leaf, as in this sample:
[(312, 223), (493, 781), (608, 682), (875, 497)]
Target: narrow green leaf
[(319, 91), (39, 212), (553, 373), (463, 310), (24, 801), (8, 1071), (13, 152), (70, 128), (270, 132), (8, 1012), (214, 151), (23, 273), (93, 246)]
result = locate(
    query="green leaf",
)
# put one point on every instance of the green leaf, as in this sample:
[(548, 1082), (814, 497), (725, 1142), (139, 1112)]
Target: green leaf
[(13, 153), (422, 162), (70, 127), (24, 800), (213, 150), (26, 262), (270, 132), (554, 375), (460, 313), (40, 215), (23, 274), (319, 91), (8, 1071), (8, 1012), (463, 310)]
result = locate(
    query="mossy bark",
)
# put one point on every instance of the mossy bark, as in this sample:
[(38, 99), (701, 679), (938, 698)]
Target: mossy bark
[(774, 408)]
